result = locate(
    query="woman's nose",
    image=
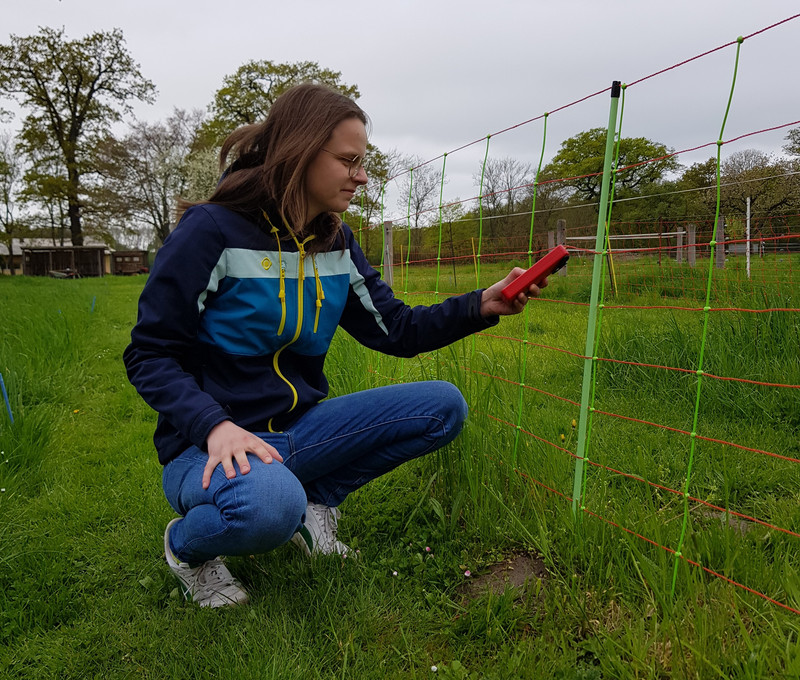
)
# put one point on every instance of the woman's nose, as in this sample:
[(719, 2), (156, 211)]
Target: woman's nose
[(361, 176)]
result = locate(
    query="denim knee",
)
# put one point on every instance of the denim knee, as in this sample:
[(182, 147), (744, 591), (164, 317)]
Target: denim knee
[(266, 509), (454, 409)]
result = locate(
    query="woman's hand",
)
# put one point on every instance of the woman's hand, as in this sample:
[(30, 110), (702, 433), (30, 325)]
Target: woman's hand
[(228, 442), (493, 303)]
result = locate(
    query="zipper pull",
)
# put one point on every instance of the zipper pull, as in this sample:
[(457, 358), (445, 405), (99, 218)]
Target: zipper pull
[(301, 253)]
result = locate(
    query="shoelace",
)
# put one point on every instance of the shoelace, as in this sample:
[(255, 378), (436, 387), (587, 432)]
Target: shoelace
[(210, 575), (328, 522)]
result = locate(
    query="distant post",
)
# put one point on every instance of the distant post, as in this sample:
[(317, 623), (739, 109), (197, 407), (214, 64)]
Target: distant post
[(747, 237), (719, 253), (388, 254), (561, 239), (678, 245)]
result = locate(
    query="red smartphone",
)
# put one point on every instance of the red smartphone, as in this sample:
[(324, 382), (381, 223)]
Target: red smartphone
[(541, 269)]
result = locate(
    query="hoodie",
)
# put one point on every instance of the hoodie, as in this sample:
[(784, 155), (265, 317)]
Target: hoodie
[(235, 321)]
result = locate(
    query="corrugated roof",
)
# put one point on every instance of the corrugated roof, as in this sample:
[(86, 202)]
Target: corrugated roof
[(18, 244)]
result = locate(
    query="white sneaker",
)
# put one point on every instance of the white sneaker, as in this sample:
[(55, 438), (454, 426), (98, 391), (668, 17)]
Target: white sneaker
[(318, 535), (210, 584)]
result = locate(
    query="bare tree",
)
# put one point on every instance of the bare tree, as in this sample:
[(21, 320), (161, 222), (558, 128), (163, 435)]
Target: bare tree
[(146, 171), (505, 182), (10, 178), (419, 191), (365, 213)]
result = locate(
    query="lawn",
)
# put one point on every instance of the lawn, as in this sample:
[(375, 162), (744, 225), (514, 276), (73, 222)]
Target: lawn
[(85, 592)]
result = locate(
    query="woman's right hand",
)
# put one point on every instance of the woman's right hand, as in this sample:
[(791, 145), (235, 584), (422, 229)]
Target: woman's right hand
[(228, 442)]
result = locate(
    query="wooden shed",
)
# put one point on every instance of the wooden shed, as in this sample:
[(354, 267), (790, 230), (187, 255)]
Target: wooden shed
[(59, 260), (126, 262)]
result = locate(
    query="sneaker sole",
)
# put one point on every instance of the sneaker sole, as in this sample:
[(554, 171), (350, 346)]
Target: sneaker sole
[(302, 539), (172, 562), (225, 600)]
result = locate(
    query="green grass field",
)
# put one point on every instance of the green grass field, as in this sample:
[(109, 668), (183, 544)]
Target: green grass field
[(85, 592)]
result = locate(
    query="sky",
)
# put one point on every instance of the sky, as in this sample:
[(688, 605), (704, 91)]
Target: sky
[(438, 76)]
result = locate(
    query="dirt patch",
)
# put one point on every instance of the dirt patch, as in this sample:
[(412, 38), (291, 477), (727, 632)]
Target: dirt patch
[(517, 571)]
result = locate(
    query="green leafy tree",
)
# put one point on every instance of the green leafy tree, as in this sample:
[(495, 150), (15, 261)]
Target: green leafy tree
[(579, 164), (45, 187), (766, 181), (247, 95), (73, 90), (792, 146), (697, 185)]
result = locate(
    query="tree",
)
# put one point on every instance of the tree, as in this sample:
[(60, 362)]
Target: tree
[(10, 177), (146, 171), (767, 182), (247, 95), (505, 181), (202, 173), (74, 90), (45, 186), (419, 191), (692, 195), (792, 147), (365, 210), (579, 164), (442, 232)]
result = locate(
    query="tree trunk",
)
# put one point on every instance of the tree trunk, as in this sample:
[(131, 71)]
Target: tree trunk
[(73, 210), (73, 202)]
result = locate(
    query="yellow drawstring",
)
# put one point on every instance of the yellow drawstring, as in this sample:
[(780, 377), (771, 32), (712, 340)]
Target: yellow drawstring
[(282, 279), (300, 274), (320, 292), (300, 278)]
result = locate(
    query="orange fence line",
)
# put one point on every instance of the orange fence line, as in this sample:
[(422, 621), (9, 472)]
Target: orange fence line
[(616, 525)]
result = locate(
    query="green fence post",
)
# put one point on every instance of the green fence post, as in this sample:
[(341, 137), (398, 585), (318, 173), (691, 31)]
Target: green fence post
[(596, 274)]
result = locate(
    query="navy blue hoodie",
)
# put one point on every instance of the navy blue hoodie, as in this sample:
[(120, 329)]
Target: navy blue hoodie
[(234, 324)]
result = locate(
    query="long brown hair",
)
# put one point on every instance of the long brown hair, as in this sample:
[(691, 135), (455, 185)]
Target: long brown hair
[(270, 159)]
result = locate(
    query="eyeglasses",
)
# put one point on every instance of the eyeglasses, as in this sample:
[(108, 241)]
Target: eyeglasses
[(355, 163)]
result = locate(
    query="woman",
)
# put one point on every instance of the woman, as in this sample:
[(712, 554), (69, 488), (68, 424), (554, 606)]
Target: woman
[(234, 324)]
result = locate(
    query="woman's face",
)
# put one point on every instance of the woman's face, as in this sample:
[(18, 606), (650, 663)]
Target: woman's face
[(329, 186)]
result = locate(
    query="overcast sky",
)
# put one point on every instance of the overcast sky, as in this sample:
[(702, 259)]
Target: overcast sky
[(437, 75)]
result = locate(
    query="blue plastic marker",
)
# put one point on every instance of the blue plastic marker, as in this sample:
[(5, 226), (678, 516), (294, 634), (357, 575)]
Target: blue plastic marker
[(94, 299), (5, 397)]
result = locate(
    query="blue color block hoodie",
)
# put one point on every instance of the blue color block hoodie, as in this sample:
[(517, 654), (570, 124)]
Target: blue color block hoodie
[(236, 318)]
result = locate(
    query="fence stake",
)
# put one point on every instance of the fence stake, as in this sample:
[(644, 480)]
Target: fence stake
[(719, 237), (747, 238), (388, 254), (5, 398), (561, 239), (591, 328)]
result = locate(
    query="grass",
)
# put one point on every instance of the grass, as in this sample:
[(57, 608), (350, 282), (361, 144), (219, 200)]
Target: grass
[(84, 592)]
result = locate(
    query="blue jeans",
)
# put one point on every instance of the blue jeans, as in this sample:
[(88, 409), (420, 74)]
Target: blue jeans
[(334, 448)]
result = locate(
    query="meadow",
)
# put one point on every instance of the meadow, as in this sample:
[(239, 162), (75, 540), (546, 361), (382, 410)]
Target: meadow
[(85, 592)]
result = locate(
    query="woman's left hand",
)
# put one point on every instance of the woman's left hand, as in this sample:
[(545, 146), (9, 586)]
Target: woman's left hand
[(493, 303)]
